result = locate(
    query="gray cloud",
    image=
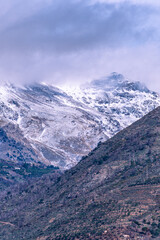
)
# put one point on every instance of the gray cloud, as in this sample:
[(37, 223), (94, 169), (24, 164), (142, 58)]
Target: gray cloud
[(65, 26), (66, 41)]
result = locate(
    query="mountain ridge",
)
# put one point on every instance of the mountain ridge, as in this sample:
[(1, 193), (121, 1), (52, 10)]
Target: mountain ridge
[(66, 125)]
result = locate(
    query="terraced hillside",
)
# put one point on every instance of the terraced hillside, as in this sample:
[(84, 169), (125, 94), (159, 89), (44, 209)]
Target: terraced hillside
[(113, 193)]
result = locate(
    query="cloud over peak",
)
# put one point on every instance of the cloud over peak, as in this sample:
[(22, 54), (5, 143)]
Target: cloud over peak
[(79, 40)]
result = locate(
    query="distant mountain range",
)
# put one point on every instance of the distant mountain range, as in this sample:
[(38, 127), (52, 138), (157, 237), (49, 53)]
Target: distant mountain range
[(113, 193), (41, 123)]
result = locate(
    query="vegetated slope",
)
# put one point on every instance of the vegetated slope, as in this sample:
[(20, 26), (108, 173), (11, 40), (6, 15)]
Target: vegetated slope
[(111, 194), (63, 126), (12, 173)]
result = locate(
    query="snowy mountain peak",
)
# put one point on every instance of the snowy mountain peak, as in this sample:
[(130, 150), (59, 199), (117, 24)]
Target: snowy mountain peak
[(65, 124), (118, 82), (108, 82)]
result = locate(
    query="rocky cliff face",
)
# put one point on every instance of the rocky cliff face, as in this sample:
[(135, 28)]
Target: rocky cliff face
[(61, 126)]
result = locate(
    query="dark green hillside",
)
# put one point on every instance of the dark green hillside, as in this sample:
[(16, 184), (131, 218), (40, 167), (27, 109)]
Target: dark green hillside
[(12, 173), (114, 193)]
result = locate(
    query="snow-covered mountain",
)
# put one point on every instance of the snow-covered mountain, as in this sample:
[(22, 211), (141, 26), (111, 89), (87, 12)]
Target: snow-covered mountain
[(63, 125)]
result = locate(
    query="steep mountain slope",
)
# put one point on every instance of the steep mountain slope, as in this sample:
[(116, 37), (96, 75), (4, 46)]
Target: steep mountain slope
[(61, 127), (111, 194)]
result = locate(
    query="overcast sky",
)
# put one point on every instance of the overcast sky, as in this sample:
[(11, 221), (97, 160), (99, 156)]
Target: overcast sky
[(74, 41)]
